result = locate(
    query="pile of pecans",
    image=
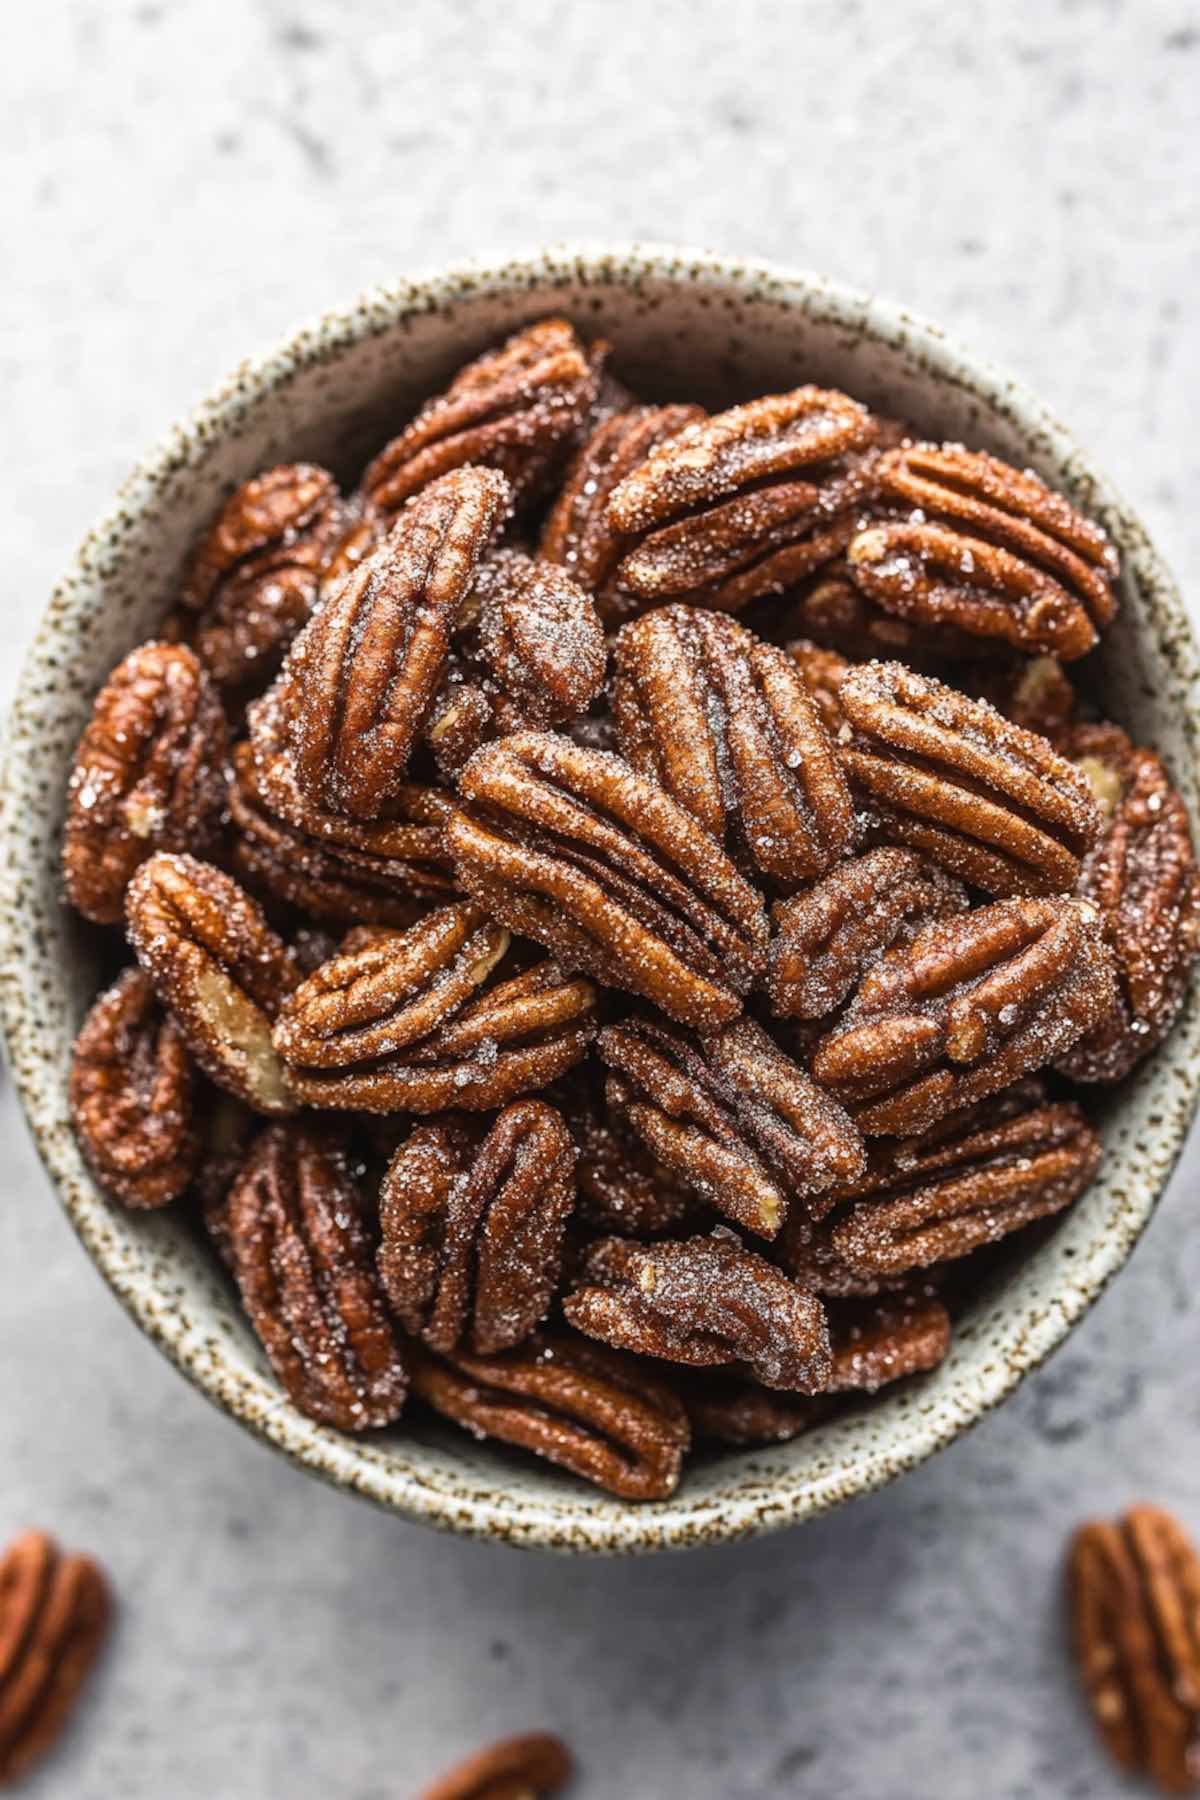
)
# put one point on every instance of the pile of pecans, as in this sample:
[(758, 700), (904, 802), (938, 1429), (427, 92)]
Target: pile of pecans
[(576, 983)]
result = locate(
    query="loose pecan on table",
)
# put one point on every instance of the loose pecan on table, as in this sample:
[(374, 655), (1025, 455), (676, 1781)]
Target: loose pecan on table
[(220, 969), (747, 502), (573, 848), (472, 1226), (422, 1020), (602, 1415), (516, 1768), (131, 1095), (1134, 1601), (362, 676), (732, 1116), (987, 549), (514, 409), (54, 1613), (949, 776), (1142, 876), (971, 1004), (726, 725), (290, 1226), (148, 775), (827, 938), (703, 1301)]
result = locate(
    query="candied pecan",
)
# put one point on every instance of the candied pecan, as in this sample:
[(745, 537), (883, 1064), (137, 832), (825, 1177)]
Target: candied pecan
[(951, 777), (823, 672), (573, 848), (726, 725), (826, 939), (1134, 1600), (703, 1301), (577, 532), (362, 676), (218, 966), (54, 1613), (622, 1189), (271, 511), (514, 409), (291, 1225), (1032, 692), (472, 1228), (587, 1408), (731, 1116), (831, 611), (747, 502), (1142, 876), (972, 1004), (516, 1768), (148, 775), (731, 1409), (412, 1021), (131, 1095)]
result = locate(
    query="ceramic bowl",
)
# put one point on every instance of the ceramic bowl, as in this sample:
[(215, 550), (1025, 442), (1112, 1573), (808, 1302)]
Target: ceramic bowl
[(682, 325)]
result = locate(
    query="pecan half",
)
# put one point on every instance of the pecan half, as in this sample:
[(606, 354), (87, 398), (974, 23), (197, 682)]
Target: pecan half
[(726, 725), (1033, 692), (413, 1021), (291, 1225), (948, 776), (601, 1415), (573, 848), (831, 611), (745, 503), (362, 676), (218, 966), (131, 1096), (731, 1409), (514, 409), (621, 1188), (1142, 875), (577, 532), (731, 1116), (703, 1301), (826, 939), (54, 1614), (988, 549), (972, 1004), (1134, 1599), (516, 1768), (823, 672), (148, 775), (472, 1229)]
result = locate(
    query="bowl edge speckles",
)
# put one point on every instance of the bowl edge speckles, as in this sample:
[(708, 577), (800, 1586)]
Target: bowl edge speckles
[(324, 391)]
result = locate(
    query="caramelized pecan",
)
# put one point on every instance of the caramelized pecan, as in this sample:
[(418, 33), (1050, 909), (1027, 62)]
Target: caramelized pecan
[(1142, 876), (573, 848), (291, 1225), (1032, 692), (362, 676), (731, 1116), (622, 1189), (972, 1004), (131, 1096), (831, 611), (148, 775), (472, 1226), (826, 939), (517, 1768), (745, 503), (1134, 1599), (726, 725), (732, 1409), (514, 409), (413, 1021), (987, 549), (950, 777), (54, 1613), (823, 672), (601, 1415), (577, 532), (218, 966)]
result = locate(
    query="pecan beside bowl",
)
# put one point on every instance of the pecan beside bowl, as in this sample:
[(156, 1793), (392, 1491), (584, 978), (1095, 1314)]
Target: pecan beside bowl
[(684, 331)]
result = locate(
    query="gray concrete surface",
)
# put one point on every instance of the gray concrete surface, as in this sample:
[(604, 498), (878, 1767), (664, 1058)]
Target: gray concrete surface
[(182, 181)]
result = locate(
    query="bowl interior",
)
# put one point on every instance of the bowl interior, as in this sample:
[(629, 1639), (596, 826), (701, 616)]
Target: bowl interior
[(681, 327)]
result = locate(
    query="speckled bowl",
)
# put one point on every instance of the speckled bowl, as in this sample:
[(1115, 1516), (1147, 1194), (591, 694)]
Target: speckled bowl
[(683, 325)]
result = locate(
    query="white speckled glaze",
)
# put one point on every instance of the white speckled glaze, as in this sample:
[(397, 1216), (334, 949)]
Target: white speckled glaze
[(683, 325)]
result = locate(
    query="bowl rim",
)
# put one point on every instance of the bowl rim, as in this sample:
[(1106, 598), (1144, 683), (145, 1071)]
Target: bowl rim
[(765, 1499)]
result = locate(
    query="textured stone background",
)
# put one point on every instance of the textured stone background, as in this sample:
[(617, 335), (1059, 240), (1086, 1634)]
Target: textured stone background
[(182, 182)]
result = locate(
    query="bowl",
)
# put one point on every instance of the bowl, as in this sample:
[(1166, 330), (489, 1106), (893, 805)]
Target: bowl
[(688, 325)]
